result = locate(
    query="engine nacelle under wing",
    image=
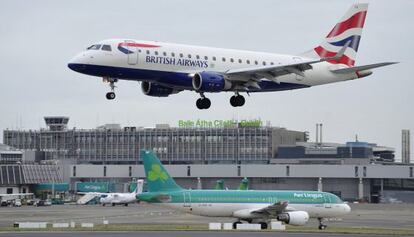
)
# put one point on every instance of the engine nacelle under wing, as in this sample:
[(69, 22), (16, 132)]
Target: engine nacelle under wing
[(210, 82), (294, 217), (153, 89)]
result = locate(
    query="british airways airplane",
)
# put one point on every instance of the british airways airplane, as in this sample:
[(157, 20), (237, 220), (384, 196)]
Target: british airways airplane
[(166, 68)]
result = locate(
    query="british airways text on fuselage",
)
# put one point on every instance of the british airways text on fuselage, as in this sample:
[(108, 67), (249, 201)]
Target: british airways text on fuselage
[(176, 62)]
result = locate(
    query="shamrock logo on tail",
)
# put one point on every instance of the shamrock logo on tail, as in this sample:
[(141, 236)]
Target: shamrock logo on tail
[(156, 173)]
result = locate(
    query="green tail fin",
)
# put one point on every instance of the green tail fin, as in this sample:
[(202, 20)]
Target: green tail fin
[(244, 185), (219, 185), (158, 179)]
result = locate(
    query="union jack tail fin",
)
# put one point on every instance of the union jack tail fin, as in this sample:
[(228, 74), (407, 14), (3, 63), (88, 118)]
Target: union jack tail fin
[(349, 29)]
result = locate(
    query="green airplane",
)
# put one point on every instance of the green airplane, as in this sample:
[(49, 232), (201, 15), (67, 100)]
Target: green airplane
[(252, 206)]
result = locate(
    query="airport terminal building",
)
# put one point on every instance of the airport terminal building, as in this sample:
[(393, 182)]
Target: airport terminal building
[(199, 153), (110, 144)]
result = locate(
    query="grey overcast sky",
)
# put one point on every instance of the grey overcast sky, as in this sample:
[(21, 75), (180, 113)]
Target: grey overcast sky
[(38, 38)]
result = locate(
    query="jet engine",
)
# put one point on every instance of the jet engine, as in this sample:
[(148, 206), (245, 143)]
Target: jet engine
[(153, 89), (294, 217), (210, 82)]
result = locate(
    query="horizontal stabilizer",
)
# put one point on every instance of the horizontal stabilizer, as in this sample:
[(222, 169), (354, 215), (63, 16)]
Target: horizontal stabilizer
[(361, 68)]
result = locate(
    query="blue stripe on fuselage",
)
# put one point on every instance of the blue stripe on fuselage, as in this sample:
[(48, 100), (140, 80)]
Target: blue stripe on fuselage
[(177, 80)]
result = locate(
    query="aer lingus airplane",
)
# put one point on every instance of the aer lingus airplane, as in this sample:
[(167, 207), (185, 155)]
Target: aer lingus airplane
[(167, 68), (254, 206)]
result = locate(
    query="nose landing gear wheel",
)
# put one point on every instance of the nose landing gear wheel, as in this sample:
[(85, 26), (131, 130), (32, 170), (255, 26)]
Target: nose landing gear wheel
[(110, 95), (111, 81), (203, 103)]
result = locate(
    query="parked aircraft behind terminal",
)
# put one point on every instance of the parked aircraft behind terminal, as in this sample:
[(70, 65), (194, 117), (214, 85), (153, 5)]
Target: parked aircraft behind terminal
[(167, 68), (244, 184), (112, 198), (219, 185), (122, 198), (253, 206)]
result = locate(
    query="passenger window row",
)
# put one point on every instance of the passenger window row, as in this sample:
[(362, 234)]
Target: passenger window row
[(107, 47), (214, 58)]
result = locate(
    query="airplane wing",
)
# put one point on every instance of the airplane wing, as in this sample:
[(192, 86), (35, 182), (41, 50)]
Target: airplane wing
[(272, 210), (254, 75), (361, 68)]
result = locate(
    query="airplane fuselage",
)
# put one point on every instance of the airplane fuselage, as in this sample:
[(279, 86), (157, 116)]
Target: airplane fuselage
[(118, 198), (174, 65), (239, 203)]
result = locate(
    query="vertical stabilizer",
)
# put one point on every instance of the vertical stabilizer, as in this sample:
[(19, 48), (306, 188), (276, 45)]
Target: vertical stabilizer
[(244, 184), (158, 179), (348, 32)]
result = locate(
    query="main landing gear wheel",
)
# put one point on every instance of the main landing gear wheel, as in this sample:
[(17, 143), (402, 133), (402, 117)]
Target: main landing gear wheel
[(203, 102), (322, 225), (263, 225), (237, 100), (110, 95)]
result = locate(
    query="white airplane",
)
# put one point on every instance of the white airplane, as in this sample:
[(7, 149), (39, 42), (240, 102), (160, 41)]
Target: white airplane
[(167, 68), (122, 198)]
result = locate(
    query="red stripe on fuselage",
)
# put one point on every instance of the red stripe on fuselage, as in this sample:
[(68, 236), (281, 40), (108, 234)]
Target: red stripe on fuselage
[(130, 44), (323, 53), (355, 21)]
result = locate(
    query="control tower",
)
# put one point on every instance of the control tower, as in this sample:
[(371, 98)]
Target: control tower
[(56, 123)]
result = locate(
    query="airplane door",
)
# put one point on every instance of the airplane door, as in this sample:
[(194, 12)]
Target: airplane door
[(133, 56), (187, 199), (327, 201)]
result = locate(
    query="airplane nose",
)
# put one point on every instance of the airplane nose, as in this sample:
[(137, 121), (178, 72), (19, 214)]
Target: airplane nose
[(77, 67), (78, 63)]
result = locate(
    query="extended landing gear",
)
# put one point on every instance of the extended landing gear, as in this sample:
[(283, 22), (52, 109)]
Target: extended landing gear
[(322, 225), (263, 225), (203, 102), (236, 223), (110, 95), (237, 100)]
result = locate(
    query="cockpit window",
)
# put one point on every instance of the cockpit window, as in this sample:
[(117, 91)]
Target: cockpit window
[(106, 47), (94, 47)]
